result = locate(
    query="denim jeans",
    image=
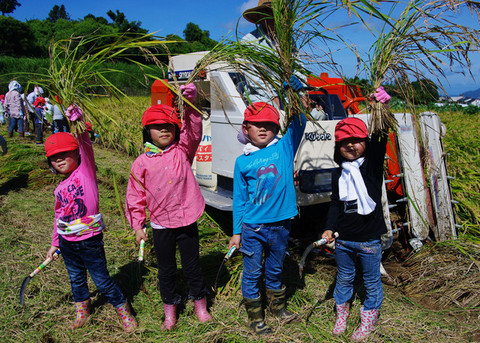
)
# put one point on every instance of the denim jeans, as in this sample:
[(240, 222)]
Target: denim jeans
[(13, 122), (270, 240), (60, 125), (39, 132), (165, 242), (370, 254), (80, 256)]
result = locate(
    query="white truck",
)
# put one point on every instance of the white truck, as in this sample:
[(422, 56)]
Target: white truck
[(411, 208)]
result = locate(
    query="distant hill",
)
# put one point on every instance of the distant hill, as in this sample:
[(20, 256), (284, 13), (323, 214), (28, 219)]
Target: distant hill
[(472, 94)]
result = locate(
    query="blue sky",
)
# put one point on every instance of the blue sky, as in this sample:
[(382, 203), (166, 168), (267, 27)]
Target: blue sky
[(220, 18)]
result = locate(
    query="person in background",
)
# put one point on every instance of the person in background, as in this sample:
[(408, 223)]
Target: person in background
[(60, 123), (265, 36), (15, 109), (78, 226), (356, 214), (316, 111), (2, 113), (30, 106), (162, 180), (48, 113), (39, 105)]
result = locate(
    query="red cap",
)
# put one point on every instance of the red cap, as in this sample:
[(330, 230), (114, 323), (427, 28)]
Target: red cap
[(39, 100), (262, 112), (88, 126), (60, 142), (160, 114), (350, 127), (2, 96)]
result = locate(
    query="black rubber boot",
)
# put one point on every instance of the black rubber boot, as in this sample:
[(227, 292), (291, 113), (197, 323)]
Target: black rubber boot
[(255, 316), (276, 305)]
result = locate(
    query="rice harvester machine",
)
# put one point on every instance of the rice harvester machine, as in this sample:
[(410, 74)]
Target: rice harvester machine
[(417, 198)]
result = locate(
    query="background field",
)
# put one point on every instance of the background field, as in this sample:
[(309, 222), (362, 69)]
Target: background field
[(436, 298)]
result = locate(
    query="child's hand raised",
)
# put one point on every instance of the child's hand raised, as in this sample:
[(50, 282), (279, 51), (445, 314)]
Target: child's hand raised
[(140, 235), (74, 113), (189, 92), (381, 96)]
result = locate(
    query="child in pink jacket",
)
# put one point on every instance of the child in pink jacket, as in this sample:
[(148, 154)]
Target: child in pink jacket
[(162, 180), (78, 226)]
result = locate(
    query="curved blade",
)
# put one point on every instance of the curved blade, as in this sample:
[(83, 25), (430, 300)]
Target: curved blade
[(304, 258), (23, 288), (225, 259)]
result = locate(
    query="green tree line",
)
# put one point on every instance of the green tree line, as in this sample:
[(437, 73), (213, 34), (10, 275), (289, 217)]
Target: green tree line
[(24, 45)]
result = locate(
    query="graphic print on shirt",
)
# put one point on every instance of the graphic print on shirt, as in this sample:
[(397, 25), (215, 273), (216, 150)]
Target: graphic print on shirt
[(267, 179), (71, 200)]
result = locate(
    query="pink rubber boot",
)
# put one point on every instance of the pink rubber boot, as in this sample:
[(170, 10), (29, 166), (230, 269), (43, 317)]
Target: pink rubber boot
[(341, 322), (128, 320), (201, 310), (368, 321), (170, 317), (82, 310)]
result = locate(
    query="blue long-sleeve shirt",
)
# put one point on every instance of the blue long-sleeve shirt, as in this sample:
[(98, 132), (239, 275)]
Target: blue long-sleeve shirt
[(263, 186)]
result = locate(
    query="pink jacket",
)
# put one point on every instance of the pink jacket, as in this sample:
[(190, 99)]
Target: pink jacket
[(77, 196), (14, 104), (164, 182)]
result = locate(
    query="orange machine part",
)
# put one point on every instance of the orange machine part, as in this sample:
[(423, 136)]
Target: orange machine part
[(392, 167), (161, 94), (349, 95)]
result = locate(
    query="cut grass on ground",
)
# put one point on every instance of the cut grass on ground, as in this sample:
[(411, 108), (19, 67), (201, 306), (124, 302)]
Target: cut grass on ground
[(26, 212)]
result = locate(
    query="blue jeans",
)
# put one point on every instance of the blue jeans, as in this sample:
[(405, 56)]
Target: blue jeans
[(258, 239), (370, 254), (80, 256), (12, 123)]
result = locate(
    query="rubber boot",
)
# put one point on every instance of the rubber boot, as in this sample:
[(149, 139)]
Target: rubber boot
[(128, 320), (343, 312), (82, 310), (201, 310), (255, 316), (170, 317), (10, 134), (21, 134), (276, 305), (368, 320)]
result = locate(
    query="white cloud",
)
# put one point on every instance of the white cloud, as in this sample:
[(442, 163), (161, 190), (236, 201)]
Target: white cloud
[(248, 4)]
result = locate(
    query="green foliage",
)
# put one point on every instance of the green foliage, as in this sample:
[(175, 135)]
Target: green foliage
[(8, 6), (123, 25), (18, 68), (424, 91), (58, 12), (194, 34), (16, 38)]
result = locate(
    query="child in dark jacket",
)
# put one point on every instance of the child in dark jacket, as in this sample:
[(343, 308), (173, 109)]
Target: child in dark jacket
[(356, 214)]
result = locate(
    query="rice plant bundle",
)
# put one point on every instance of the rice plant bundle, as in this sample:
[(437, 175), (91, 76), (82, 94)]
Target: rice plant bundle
[(77, 73), (296, 24), (416, 38)]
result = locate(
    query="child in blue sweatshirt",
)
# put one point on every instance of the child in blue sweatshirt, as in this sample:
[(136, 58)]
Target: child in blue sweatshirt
[(264, 201)]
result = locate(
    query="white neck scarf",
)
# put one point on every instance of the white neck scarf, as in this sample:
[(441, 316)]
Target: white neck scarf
[(249, 147), (352, 187)]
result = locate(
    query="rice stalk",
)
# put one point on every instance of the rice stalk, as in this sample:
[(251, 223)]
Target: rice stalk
[(416, 38), (296, 25), (77, 71)]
